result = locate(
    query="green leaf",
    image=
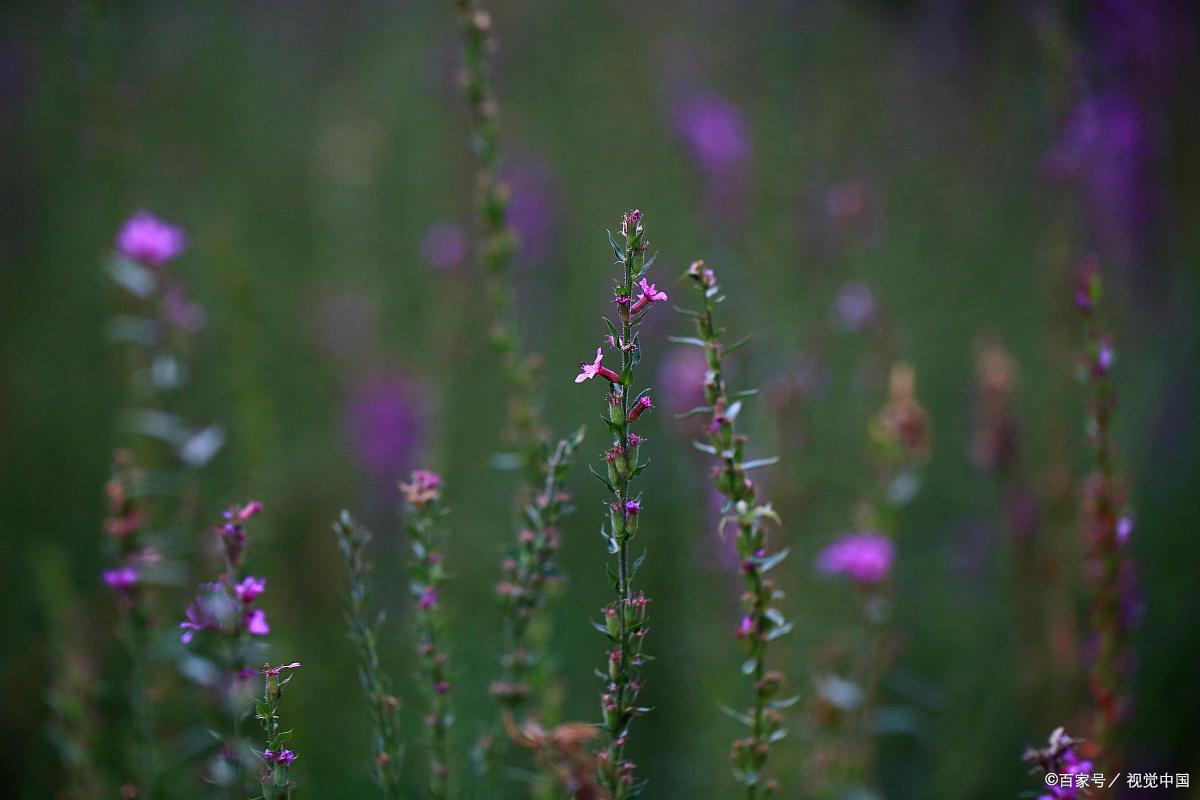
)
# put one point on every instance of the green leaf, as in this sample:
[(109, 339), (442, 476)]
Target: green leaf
[(704, 448), (761, 462), (637, 564), (692, 340), (734, 714), (617, 249), (782, 630), (770, 562), (744, 393), (739, 344), (687, 312), (602, 479), (694, 411)]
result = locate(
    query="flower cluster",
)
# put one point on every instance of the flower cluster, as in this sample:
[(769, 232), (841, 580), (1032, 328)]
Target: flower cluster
[(625, 618), (1110, 572), (1059, 757), (422, 517), (275, 756), (761, 622), (363, 624)]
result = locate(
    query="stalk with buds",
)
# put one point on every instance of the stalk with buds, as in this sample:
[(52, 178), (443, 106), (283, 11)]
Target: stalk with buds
[(761, 622), (423, 514), (625, 619), (1109, 570), (528, 567), (363, 624), (224, 624), (276, 756)]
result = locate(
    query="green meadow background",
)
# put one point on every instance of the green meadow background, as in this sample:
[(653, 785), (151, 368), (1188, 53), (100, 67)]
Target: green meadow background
[(308, 147)]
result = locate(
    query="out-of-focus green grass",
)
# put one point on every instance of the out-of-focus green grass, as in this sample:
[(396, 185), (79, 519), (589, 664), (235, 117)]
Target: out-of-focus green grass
[(306, 149)]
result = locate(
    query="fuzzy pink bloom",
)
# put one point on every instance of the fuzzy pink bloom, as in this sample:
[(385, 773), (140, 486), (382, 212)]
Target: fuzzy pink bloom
[(247, 511), (256, 623), (148, 240), (864, 557), (428, 598), (644, 404), (745, 628), (121, 580), (249, 588), (590, 371), (276, 670)]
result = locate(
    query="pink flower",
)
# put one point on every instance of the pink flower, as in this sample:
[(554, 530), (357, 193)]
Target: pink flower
[(121, 580), (590, 371), (273, 671), (249, 588), (247, 511), (256, 623), (643, 404), (745, 628), (150, 241), (650, 294), (864, 557), (428, 598)]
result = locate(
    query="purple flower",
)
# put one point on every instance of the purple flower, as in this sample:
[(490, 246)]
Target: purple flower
[(1124, 530), (121, 580), (681, 379), (285, 757), (1107, 149), (256, 622), (198, 619), (383, 425), (249, 588), (714, 131), (864, 557), (445, 246), (428, 598), (150, 241), (632, 507), (854, 308), (532, 208)]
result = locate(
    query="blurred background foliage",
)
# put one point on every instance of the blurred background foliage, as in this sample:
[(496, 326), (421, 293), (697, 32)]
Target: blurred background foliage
[(922, 149)]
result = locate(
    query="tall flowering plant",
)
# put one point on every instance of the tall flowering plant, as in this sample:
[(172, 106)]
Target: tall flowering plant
[(528, 568), (847, 703), (423, 513), (625, 619), (363, 624), (147, 502), (276, 756), (1109, 570), (224, 626), (761, 622)]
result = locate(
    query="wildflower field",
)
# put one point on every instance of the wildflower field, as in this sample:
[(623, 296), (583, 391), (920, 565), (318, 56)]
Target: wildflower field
[(451, 400)]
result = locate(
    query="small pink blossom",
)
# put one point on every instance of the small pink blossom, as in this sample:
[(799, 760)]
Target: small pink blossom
[(745, 628), (256, 623), (150, 241), (273, 671), (428, 598), (865, 557), (643, 404), (650, 294), (249, 588), (589, 371), (121, 580)]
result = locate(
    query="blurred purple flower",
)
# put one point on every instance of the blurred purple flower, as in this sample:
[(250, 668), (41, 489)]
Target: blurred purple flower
[(256, 623), (445, 246), (864, 557), (181, 312), (714, 131), (1144, 41), (383, 425), (532, 208), (1106, 149), (150, 241), (681, 378), (121, 580), (250, 588), (854, 308)]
